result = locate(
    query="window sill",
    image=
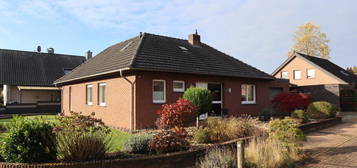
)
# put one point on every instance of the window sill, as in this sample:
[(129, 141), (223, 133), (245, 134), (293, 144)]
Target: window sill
[(159, 102), (249, 103), (178, 91), (103, 105), (90, 104)]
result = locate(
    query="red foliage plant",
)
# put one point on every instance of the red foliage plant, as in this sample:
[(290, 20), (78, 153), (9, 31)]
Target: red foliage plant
[(178, 114), (289, 101)]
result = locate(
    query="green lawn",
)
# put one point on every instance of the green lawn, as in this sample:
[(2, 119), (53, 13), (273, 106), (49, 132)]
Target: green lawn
[(118, 137)]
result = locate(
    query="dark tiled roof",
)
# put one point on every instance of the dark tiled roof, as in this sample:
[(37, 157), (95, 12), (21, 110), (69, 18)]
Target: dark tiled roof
[(34, 69), (160, 53), (332, 68)]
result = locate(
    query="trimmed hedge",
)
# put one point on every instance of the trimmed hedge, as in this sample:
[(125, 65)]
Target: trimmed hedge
[(321, 110)]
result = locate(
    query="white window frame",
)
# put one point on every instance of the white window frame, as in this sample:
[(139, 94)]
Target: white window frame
[(102, 103), (295, 74), (178, 89), (307, 73), (89, 102), (158, 101), (247, 91), (282, 75)]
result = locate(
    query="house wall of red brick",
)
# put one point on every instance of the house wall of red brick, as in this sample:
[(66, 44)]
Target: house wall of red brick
[(146, 109), (115, 113)]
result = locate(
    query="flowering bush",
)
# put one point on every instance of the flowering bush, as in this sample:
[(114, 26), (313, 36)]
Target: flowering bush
[(178, 114), (287, 102), (169, 141)]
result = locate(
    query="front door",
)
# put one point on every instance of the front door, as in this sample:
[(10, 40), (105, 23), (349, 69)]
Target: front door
[(216, 91)]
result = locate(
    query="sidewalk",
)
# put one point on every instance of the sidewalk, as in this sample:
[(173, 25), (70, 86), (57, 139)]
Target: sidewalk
[(334, 147)]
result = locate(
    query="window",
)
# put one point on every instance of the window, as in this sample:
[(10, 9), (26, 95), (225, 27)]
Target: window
[(284, 75), (89, 94), (248, 94), (297, 74), (178, 86), (159, 91), (310, 73), (101, 94)]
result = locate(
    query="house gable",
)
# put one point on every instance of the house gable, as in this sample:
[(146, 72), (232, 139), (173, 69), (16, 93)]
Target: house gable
[(300, 63)]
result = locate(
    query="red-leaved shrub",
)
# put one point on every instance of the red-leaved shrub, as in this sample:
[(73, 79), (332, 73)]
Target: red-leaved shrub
[(287, 102), (179, 114)]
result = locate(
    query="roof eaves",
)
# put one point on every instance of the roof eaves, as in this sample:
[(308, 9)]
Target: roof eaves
[(88, 76)]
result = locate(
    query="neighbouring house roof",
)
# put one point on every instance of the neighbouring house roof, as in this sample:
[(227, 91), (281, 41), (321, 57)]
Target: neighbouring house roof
[(325, 64), (37, 88), (34, 69), (151, 52)]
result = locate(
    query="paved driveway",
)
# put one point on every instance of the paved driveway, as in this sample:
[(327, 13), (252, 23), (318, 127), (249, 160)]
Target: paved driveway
[(334, 147)]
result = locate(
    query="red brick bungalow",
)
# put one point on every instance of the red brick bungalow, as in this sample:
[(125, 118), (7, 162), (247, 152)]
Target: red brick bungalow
[(128, 82)]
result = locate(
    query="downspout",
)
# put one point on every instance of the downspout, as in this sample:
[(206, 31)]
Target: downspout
[(132, 105)]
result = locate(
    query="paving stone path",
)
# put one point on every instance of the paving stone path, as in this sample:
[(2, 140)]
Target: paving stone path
[(334, 147)]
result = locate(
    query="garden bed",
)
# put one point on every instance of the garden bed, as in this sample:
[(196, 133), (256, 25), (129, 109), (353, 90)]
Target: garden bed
[(179, 159), (320, 124)]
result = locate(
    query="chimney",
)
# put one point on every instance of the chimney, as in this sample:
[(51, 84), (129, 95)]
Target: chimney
[(194, 39), (88, 54), (38, 49), (50, 50)]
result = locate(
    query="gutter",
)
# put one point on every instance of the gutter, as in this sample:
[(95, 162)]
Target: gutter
[(132, 105)]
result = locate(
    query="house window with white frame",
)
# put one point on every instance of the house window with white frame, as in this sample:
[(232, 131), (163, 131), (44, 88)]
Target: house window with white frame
[(178, 86), (101, 94), (284, 75), (89, 94), (248, 94), (158, 91), (297, 74), (310, 73)]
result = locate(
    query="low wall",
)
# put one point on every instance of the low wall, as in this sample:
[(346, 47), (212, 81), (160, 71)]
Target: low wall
[(172, 160), (320, 124)]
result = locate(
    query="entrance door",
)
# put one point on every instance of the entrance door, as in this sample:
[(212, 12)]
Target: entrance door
[(216, 91)]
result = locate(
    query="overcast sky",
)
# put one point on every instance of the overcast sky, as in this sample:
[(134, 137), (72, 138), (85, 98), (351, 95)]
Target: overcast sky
[(258, 32)]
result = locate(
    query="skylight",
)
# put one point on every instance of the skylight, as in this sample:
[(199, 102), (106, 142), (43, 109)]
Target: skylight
[(126, 46), (343, 72), (183, 48)]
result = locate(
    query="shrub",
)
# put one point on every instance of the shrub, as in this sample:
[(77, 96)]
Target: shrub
[(179, 114), (286, 131), (75, 146), (269, 112), (201, 98), (202, 135), (269, 153), (168, 141), (218, 157), (29, 141), (223, 129), (299, 114), (137, 144), (82, 138), (287, 102), (321, 110)]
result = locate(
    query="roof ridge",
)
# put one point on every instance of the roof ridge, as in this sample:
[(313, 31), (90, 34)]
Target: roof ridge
[(34, 52)]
